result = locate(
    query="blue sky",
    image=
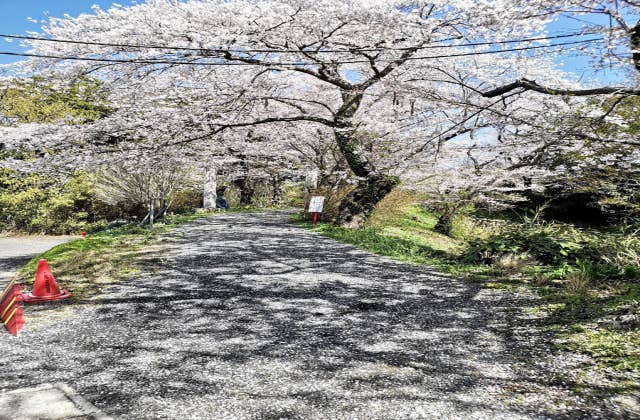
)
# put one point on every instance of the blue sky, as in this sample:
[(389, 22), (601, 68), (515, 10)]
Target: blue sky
[(582, 66), (14, 16)]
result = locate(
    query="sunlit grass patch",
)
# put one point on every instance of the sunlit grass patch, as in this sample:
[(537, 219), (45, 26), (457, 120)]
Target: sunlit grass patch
[(85, 266), (615, 348), (436, 241)]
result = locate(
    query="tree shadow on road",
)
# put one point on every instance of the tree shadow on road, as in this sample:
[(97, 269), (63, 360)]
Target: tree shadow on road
[(249, 314)]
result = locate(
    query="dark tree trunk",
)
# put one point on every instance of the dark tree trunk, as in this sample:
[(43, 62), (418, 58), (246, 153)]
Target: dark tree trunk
[(359, 203), (444, 224), (245, 190), (635, 45), (277, 190), (373, 186)]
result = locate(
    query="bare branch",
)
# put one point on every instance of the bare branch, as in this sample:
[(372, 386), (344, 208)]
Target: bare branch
[(532, 85)]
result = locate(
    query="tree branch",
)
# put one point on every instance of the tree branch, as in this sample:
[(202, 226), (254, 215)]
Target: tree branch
[(378, 75), (321, 75), (532, 85)]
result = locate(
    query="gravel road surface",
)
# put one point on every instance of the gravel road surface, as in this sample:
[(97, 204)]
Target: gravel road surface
[(247, 316)]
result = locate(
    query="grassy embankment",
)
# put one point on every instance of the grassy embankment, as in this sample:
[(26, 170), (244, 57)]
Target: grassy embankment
[(86, 265), (586, 281)]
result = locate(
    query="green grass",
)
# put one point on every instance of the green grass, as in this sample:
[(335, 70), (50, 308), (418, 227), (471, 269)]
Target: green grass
[(601, 321), (614, 348), (410, 227), (85, 266), (408, 247), (401, 229)]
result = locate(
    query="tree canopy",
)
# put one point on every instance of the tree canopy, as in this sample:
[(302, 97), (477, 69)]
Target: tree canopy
[(399, 86)]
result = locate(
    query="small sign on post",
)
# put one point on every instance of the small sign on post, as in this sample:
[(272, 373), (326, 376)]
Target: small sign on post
[(315, 206)]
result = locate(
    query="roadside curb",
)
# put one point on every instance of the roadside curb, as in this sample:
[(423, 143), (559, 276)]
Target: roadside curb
[(47, 401)]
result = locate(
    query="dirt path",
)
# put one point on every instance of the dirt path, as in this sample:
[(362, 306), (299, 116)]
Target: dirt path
[(247, 316)]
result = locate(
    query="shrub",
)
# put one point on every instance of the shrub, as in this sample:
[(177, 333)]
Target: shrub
[(549, 243), (34, 204), (186, 201), (292, 195), (602, 254)]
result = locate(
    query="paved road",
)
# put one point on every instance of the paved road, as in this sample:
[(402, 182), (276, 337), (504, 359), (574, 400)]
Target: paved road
[(16, 251), (247, 316)]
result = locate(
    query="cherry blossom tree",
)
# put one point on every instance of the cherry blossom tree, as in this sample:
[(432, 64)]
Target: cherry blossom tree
[(391, 81), (366, 70), (617, 51)]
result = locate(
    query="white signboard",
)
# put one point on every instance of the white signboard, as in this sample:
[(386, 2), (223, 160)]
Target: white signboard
[(316, 204)]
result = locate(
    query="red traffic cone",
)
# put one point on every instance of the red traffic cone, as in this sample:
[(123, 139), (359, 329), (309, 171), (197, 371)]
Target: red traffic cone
[(45, 287), (14, 319), (11, 313)]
